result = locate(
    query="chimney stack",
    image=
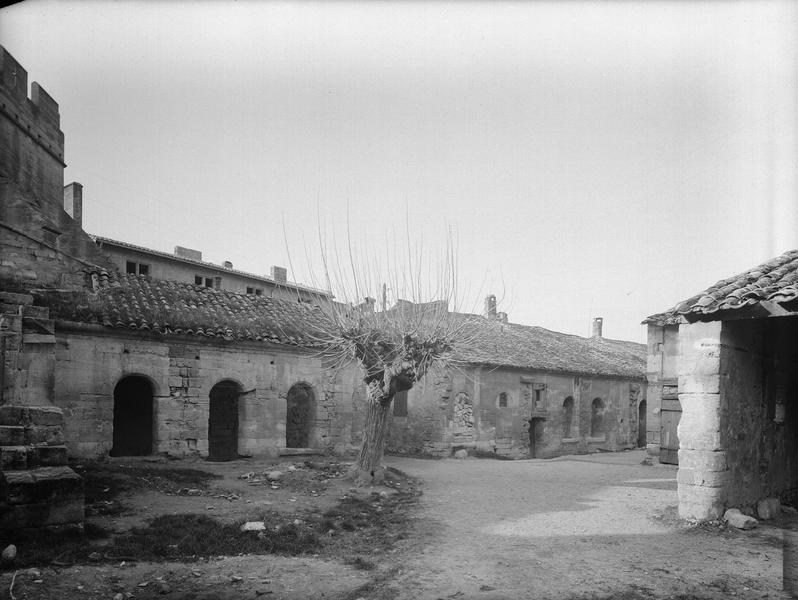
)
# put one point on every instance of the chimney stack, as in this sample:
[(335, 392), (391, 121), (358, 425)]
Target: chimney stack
[(227, 264), (279, 274), (73, 202), (490, 306), (598, 322), (188, 253)]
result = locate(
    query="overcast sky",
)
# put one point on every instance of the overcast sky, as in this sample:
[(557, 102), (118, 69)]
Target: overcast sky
[(590, 159)]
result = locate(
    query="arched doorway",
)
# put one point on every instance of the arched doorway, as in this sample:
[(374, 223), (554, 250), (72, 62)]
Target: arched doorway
[(597, 418), (132, 417), (300, 415), (223, 421), (641, 424)]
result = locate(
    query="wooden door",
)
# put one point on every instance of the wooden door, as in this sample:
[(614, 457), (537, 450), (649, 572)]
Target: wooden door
[(223, 422), (670, 414)]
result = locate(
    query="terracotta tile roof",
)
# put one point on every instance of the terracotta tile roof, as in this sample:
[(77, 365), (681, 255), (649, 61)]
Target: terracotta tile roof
[(137, 302), (169, 307), (535, 348), (775, 280)]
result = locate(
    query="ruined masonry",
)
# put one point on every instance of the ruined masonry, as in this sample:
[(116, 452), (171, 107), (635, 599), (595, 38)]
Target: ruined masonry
[(37, 486)]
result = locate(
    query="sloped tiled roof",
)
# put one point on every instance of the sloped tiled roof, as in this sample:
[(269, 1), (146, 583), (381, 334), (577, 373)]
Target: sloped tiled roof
[(136, 302), (775, 280), (526, 347), (169, 307)]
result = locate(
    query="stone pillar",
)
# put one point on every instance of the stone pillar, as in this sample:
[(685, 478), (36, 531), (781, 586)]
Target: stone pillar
[(703, 472)]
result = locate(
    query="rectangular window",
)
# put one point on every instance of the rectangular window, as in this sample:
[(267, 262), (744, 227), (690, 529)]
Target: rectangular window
[(144, 269), (250, 290), (209, 282), (258, 292), (400, 404), (197, 280), (217, 283), (130, 267)]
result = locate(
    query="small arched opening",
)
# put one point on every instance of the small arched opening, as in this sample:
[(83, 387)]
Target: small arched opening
[(597, 418), (567, 416), (133, 398), (299, 417), (223, 421)]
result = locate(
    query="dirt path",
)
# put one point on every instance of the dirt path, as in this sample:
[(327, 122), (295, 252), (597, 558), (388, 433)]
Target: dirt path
[(578, 527)]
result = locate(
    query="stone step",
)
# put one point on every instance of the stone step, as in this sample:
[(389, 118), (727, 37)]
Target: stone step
[(17, 458), (40, 497), (11, 415), (301, 452)]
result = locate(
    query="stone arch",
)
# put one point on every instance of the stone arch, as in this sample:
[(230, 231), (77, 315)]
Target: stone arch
[(223, 420), (567, 417), (300, 415), (133, 416), (597, 417)]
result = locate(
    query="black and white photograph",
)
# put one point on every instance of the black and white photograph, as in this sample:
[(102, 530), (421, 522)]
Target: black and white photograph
[(399, 300)]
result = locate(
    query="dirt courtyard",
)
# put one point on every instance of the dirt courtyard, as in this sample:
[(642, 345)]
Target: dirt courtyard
[(582, 527), (598, 526)]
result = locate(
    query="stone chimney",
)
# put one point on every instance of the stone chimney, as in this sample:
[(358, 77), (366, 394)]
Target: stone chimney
[(279, 274), (598, 322), (227, 264), (502, 316), (490, 306), (73, 202)]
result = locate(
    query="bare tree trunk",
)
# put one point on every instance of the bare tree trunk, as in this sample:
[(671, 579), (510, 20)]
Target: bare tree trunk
[(369, 470)]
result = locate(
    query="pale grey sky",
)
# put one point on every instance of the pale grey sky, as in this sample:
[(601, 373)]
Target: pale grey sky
[(591, 158)]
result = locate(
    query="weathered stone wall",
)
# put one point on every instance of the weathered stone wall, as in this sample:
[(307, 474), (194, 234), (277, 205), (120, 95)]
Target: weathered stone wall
[(92, 360), (759, 416), (739, 423), (463, 409)]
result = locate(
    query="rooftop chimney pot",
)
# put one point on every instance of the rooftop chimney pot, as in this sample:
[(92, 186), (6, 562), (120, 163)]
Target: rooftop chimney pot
[(227, 264), (490, 306), (279, 274), (598, 323)]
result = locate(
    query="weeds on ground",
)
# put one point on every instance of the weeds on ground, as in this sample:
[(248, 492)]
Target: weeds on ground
[(354, 531)]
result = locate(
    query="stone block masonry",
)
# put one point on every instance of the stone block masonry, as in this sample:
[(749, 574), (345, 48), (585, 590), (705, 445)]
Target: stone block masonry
[(181, 372)]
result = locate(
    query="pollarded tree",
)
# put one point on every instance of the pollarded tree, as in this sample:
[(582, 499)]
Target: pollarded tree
[(395, 346)]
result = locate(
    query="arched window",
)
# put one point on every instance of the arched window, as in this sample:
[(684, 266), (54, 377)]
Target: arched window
[(597, 418), (502, 401), (567, 416)]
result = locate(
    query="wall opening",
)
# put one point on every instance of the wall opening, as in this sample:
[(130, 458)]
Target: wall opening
[(536, 429), (567, 416), (641, 424), (223, 421), (597, 418), (299, 418), (133, 425)]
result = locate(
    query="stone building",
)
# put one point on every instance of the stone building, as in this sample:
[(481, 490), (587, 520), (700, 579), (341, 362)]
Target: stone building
[(523, 391), (187, 265), (148, 366), (730, 352)]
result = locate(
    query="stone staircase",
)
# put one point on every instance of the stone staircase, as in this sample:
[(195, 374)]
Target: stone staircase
[(37, 488)]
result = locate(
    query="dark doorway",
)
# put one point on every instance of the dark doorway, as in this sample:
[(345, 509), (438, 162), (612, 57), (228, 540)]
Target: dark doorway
[(132, 417), (641, 424), (597, 418), (301, 405), (223, 421), (536, 436)]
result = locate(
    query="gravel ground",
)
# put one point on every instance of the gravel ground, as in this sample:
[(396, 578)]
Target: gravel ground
[(599, 526)]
